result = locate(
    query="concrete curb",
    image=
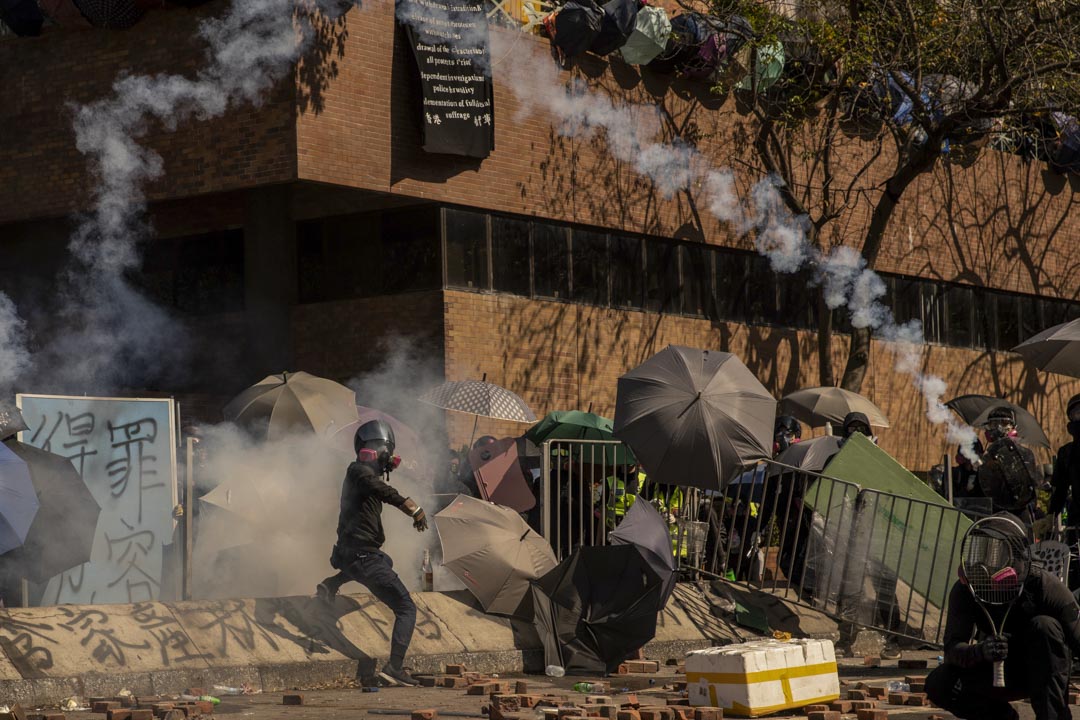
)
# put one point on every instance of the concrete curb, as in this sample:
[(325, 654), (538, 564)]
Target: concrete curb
[(50, 653)]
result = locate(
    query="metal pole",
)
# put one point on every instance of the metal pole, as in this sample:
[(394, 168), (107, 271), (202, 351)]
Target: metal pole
[(189, 509), (948, 479)]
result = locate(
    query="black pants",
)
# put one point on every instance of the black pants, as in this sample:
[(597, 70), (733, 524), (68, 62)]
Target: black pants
[(1038, 668), (375, 571)]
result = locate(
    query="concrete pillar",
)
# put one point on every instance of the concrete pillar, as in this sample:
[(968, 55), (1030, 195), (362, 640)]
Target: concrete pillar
[(270, 279)]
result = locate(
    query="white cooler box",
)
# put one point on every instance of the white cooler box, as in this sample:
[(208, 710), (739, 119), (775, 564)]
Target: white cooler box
[(763, 677)]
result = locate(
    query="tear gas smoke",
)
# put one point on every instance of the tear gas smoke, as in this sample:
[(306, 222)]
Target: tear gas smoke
[(631, 130), (14, 355)]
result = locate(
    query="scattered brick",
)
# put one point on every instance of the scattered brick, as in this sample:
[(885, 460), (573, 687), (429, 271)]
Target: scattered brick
[(122, 714), (623, 669), (484, 688), (628, 715), (632, 701), (857, 705), (1074, 698), (427, 680), (642, 666), (104, 706), (675, 702), (608, 711), (47, 716), (827, 715), (683, 713), (15, 712), (452, 681), (598, 700), (127, 701), (174, 715), (292, 699), (918, 687), (911, 664), (142, 714), (916, 699), (650, 713), (872, 714), (857, 695), (840, 706), (521, 687), (427, 714), (897, 698), (205, 707), (708, 713), (455, 670), (878, 692), (871, 661)]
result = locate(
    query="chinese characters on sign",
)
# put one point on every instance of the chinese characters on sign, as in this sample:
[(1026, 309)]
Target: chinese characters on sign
[(449, 41), (125, 452)]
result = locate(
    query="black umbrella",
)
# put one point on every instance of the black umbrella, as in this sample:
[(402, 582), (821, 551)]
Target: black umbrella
[(645, 529), (24, 17), (810, 455), (62, 533), (596, 608), (616, 26), (118, 14), (975, 411), (574, 27)]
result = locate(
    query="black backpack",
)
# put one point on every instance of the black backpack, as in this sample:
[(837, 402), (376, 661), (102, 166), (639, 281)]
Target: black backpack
[(1007, 475)]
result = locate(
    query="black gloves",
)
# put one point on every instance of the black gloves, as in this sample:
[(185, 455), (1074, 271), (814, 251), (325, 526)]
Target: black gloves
[(419, 520), (969, 655), (993, 649)]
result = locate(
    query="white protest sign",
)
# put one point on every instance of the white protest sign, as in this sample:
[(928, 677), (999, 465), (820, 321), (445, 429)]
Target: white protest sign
[(125, 451)]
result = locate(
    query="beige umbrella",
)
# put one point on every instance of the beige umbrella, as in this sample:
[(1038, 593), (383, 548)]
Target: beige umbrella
[(293, 402), (818, 405), (493, 551), (1055, 350)]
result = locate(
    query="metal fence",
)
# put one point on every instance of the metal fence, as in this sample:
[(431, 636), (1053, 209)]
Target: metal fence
[(864, 557)]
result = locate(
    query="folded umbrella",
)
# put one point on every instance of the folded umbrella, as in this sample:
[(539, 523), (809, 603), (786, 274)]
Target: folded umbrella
[(818, 405), (597, 608), (492, 551), (61, 535), (975, 411), (643, 527), (694, 417), (288, 403), (1055, 349)]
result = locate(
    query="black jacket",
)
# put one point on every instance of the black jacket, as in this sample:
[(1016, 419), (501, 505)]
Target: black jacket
[(1067, 477), (362, 496), (1043, 594)]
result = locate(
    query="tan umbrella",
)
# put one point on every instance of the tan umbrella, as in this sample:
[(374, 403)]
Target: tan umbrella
[(293, 402), (491, 549), (818, 405), (1055, 350)]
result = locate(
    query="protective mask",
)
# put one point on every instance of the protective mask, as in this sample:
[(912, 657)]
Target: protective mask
[(395, 463)]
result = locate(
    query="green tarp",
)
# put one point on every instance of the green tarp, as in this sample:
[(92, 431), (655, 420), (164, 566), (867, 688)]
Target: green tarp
[(902, 529)]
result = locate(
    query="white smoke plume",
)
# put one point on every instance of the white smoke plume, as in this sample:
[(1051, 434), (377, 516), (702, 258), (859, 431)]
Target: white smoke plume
[(631, 132), (14, 355)]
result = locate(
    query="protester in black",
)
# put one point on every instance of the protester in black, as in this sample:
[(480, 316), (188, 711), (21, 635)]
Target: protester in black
[(1008, 474), (358, 554), (1067, 469), (1040, 635)]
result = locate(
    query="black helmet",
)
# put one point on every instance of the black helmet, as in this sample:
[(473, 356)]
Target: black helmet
[(376, 435), (856, 422), (1072, 409), (787, 424)]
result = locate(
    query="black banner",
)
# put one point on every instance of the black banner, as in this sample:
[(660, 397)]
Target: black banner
[(449, 40)]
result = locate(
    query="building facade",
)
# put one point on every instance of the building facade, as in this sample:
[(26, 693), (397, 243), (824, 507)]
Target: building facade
[(312, 232)]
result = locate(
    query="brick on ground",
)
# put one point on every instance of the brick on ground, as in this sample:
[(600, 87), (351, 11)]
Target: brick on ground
[(873, 714), (598, 700), (292, 699), (857, 694), (120, 714), (425, 714), (916, 699), (871, 661), (878, 692), (15, 712), (841, 706), (857, 705), (628, 714), (708, 713), (911, 664), (815, 708), (104, 706), (827, 715), (142, 714), (642, 666), (521, 687), (454, 670), (897, 698)]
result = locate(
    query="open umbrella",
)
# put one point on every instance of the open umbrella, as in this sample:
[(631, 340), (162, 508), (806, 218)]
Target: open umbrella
[(818, 405), (649, 38), (573, 27), (118, 14), (62, 533), (644, 528), (500, 476), (694, 417), (596, 608), (408, 444), (1055, 349), (577, 425), (18, 501), (479, 398), (280, 405), (811, 455), (975, 411), (492, 551), (616, 26)]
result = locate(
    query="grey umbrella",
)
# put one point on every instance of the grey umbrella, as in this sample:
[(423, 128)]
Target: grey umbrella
[(1055, 350), (694, 417), (482, 399), (642, 526), (818, 405), (810, 455), (975, 411)]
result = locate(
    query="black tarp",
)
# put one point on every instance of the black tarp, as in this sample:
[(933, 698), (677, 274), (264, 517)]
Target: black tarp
[(596, 608), (24, 17), (574, 27), (453, 60), (694, 47), (615, 26)]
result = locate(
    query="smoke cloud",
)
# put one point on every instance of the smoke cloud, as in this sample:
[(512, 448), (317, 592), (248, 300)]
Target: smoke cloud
[(14, 355)]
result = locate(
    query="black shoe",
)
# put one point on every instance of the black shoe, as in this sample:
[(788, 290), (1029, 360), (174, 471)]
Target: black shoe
[(324, 593), (397, 676)]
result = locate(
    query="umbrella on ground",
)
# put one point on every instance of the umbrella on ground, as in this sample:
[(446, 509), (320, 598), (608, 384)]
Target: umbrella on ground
[(975, 411), (1055, 350), (810, 455), (110, 13), (22, 16), (62, 533), (408, 444), (577, 425), (818, 405), (500, 476), (18, 501), (288, 403), (492, 551), (694, 417), (574, 27), (616, 26), (596, 608), (649, 38), (644, 528), (479, 398)]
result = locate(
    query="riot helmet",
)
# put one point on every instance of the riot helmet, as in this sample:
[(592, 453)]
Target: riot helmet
[(857, 422), (1000, 423), (786, 432), (378, 437), (1072, 413)]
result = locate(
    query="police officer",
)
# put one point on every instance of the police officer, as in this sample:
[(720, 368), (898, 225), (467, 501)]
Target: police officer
[(358, 554)]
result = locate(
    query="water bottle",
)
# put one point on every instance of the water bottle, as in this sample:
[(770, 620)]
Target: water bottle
[(554, 671), (428, 583), (225, 690), (583, 687), (895, 686), (210, 699)]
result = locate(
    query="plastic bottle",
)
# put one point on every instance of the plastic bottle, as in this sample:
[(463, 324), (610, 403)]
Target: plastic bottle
[(895, 686), (210, 699), (225, 690), (583, 687), (554, 671), (427, 572)]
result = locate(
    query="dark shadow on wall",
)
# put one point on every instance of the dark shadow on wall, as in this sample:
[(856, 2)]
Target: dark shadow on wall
[(319, 65)]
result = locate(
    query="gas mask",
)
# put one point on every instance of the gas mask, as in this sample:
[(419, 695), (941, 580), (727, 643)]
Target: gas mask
[(999, 429)]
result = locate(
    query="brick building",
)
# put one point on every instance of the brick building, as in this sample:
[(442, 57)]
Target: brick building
[(300, 234)]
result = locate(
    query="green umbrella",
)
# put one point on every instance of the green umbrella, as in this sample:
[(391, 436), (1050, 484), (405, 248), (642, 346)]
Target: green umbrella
[(578, 425)]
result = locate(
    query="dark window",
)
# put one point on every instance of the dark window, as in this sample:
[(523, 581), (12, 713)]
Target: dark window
[(410, 251), (1031, 317), (696, 279), (551, 261), (1007, 317), (960, 314), (661, 276), (762, 291), (590, 266), (731, 285), (197, 274), (798, 300), (906, 300), (510, 255), (466, 249), (933, 312), (626, 272)]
